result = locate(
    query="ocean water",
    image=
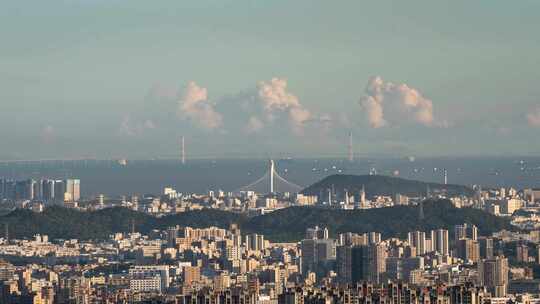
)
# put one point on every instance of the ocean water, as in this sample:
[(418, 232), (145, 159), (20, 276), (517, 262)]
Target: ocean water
[(199, 176)]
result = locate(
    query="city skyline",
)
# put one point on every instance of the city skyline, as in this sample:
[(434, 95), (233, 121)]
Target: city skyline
[(269, 152), (268, 77)]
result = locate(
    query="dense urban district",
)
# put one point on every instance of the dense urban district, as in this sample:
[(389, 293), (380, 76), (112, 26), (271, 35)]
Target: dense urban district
[(345, 239)]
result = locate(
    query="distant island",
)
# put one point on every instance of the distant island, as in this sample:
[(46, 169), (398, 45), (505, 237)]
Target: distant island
[(384, 185)]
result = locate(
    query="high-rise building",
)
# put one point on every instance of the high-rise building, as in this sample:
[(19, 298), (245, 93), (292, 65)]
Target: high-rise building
[(10, 189), (73, 190), (374, 237), (400, 269), (59, 190), (343, 263), (493, 274), (466, 231), (38, 190), (362, 198), (468, 250), (30, 188), (317, 233), (367, 263), (24, 189), (316, 253), (486, 247), (48, 190), (361, 264), (172, 234), (522, 253), (255, 242), (417, 239), (439, 241)]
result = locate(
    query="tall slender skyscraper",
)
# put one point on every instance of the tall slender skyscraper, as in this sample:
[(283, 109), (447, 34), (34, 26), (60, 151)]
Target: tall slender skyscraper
[(445, 177)]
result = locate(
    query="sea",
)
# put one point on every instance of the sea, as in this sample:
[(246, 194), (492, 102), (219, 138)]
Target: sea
[(115, 178)]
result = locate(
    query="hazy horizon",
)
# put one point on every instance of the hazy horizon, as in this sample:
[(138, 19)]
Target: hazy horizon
[(258, 79)]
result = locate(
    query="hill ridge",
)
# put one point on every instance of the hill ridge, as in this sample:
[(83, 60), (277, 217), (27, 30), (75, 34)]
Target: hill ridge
[(287, 224), (383, 185)]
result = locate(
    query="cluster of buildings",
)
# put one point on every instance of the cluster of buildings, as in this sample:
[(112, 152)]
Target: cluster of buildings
[(43, 190), (215, 265)]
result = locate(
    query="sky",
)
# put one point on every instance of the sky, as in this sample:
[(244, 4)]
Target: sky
[(259, 78)]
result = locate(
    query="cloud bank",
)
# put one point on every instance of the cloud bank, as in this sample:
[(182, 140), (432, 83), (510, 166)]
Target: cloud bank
[(269, 107), (387, 103), (275, 102), (533, 118), (194, 106)]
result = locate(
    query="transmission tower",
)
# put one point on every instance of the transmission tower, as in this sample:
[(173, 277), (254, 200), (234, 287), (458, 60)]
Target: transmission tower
[(350, 148), (183, 152)]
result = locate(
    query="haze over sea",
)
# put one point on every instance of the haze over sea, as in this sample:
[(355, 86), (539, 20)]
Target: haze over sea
[(199, 176)]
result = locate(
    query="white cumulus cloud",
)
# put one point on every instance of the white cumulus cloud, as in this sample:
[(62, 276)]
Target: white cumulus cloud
[(387, 103), (194, 106), (277, 101), (533, 118)]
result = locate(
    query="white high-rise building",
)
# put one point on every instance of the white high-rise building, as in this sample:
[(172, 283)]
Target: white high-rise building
[(73, 190)]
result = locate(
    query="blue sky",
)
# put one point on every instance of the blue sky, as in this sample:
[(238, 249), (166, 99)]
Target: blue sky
[(96, 78)]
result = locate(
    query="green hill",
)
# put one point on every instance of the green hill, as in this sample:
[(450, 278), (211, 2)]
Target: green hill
[(283, 225), (60, 222), (383, 185), (391, 221)]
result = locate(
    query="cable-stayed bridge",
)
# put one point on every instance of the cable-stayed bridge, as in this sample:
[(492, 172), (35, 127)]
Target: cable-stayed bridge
[(271, 182)]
